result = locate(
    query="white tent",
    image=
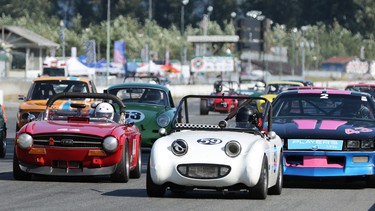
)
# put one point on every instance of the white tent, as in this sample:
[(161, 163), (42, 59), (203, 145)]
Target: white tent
[(75, 68), (150, 67)]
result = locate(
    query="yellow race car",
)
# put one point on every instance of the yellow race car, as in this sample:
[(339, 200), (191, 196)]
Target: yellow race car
[(274, 88), (43, 88)]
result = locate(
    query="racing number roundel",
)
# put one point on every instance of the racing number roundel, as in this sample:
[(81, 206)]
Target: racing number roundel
[(135, 115)]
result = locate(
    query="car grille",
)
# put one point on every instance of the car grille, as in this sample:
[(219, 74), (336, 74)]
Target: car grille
[(74, 141), (203, 171), (222, 105)]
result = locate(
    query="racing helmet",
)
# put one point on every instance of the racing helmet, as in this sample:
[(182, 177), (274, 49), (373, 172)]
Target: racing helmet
[(245, 117), (80, 88), (104, 110), (218, 86)]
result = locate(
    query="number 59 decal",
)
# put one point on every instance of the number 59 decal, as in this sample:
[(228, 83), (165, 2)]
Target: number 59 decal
[(135, 115)]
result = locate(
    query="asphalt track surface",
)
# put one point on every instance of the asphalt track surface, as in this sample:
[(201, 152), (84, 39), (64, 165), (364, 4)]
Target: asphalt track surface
[(98, 193)]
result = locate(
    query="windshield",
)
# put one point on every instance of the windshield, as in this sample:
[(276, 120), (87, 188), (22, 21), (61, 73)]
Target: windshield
[(41, 90), (141, 95), (243, 114), (323, 106)]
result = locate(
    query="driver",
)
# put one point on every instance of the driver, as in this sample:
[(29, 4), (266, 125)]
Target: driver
[(104, 110), (218, 86), (246, 118)]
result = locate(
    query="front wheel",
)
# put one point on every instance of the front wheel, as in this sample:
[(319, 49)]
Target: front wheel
[(18, 174), (121, 173), (153, 190), (136, 172), (3, 145), (204, 107), (259, 191), (277, 188), (371, 181)]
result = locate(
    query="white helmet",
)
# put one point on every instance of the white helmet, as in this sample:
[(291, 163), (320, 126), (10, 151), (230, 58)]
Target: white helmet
[(104, 110)]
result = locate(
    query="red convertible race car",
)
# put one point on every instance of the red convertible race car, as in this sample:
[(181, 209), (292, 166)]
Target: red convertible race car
[(222, 105), (81, 141)]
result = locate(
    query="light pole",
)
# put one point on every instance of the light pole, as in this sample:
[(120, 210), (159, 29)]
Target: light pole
[(62, 25), (233, 16), (209, 10), (108, 39), (303, 45), (183, 56)]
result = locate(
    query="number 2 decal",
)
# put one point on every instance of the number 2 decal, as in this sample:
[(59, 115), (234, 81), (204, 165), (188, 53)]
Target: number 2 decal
[(324, 96)]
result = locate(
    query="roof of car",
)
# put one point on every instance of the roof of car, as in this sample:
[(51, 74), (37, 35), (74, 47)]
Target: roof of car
[(286, 82), (139, 85), (361, 84), (327, 91), (62, 79)]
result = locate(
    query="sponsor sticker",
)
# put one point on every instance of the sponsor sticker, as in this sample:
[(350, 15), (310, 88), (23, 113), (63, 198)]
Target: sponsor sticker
[(319, 144)]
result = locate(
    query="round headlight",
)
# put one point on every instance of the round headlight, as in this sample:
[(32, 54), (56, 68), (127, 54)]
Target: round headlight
[(233, 148), (110, 144), (163, 120), (24, 141), (179, 147)]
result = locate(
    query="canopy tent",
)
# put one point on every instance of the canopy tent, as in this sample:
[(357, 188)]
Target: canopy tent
[(75, 68), (150, 68)]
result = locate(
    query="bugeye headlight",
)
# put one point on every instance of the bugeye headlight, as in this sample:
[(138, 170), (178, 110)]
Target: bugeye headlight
[(24, 141), (110, 144), (232, 148), (367, 144), (163, 120), (179, 147), (352, 144)]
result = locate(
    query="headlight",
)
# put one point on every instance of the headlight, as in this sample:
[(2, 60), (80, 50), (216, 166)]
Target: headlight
[(351, 144), (179, 147), (367, 144), (233, 148), (24, 141), (163, 120), (110, 144)]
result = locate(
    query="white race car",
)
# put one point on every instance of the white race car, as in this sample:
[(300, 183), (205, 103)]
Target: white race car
[(235, 151)]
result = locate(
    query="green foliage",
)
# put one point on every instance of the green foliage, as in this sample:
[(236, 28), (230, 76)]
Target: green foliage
[(338, 30)]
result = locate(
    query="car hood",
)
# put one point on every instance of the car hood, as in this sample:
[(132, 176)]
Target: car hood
[(40, 105), (323, 129), (93, 128), (205, 141), (145, 112), (33, 105)]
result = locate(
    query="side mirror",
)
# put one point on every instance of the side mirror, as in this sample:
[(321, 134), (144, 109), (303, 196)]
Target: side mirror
[(129, 122), (28, 117), (272, 134), (21, 97)]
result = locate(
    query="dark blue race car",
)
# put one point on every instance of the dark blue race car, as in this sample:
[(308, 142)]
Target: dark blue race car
[(326, 133)]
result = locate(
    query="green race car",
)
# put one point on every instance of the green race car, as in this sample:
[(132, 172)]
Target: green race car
[(150, 106)]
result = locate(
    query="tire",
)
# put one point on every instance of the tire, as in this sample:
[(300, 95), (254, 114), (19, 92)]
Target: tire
[(153, 190), (277, 188), (137, 171), (204, 107), (371, 181), (18, 174), (121, 173), (3, 145), (259, 191)]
